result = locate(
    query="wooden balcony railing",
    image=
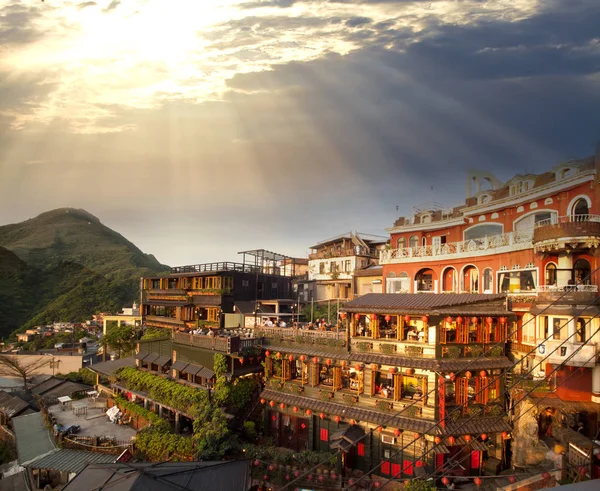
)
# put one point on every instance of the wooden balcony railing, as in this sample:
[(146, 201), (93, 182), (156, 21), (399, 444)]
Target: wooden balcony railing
[(288, 337), (223, 344)]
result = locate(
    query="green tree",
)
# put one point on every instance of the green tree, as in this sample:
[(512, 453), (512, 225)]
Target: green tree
[(120, 339), (419, 485), (155, 333), (212, 437), (322, 310), (220, 364)]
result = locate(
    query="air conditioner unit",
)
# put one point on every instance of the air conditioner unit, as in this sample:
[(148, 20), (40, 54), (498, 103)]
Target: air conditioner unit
[(388, 439)]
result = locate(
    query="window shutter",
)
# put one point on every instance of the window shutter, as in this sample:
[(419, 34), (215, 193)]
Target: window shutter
[(337, 378), (285, 370), (397, 386), (373, 372), (314, 381)]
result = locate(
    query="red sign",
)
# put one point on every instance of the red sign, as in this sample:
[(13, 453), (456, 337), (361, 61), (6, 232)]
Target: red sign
[(442, 400), (126, 456)]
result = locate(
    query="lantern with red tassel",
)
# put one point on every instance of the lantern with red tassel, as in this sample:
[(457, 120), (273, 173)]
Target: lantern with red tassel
[(303, 358), (282, 405), (266, 477), (287, 477), (328, 362), (337, 419), (502, 320), (272, 467), (309, 477), (489, 320), (333, 475), (449, 320), (297, 473), (459, 320), (278, 356), (468, 374), (358, 367), (477, 481), (272, 403), (308, 412), (315, 360), (451, 440), (291, 357), (452, 376), (445, 481), (388, 318), (262, 401), (483, 374), (295, 409), (397, 432), (256, 463), (473, 320), (242, 360), (467, 438), (437, 440), (504, 435), (267, 353), (322, 415), (357, 316), (407, 318), (483, 437)]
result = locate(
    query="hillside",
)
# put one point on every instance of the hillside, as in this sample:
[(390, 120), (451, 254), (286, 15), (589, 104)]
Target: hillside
[(64, 265)]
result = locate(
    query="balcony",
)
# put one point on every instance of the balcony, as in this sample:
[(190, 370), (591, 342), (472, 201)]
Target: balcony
[(333, 341), (414, 349), (567, 294), (344, 252), (495, 244), (561, 350), (223, 344), (216, 267), (162, 321), (568, 232)]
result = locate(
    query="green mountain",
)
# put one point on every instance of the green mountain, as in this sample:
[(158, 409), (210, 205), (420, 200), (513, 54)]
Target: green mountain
[(64, 265)]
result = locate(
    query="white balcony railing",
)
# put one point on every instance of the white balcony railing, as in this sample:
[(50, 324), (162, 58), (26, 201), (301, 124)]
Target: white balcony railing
[(567, 288), (560, 351), (567, 219), (494, 244)]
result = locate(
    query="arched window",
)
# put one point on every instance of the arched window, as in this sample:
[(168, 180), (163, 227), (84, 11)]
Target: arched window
[(581, 271), (450, 280), (413, 241), (425, 280), (550, 274), (401, 244), (488, 280), (528, 222), (401, 284), (581, 209), (470, 280), (481, 231)]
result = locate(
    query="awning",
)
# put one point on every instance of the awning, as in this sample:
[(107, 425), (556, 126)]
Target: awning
[(441, 449), (179, 365), (345, 438), (151, 358), (192, 369), (141, 355), (161, 361), (206, 373)]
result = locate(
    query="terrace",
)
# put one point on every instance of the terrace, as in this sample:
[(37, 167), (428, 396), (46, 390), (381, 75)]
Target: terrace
[(223, 344)]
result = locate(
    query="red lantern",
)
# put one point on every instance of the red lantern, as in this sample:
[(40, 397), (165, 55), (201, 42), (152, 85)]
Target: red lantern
[(315, 360), (291, 357), (352, 422), (504, 435), (483, 437), (373, 317), (425, 319), (468, 374), (582, 470), (337, 419), (417, 436), (321, 478), (483, 374), (272, 467), (267, 353), (350, 482), (278, 356), (397, 432), (308, 412), (467, 438), (388, 318), (282, 405), (358, 367), (333, 475), (445, 481), (241, 361), (512, 479), (328, 361), (477, 481), (459, 320), (302, 358), (407, 318), (451, 440), (287, 477), (357, 316), (449, 320), (502, 320), (452, 376), (295, 409), (391, 370), (256, 463), (309, 477), (272, 403), (437, 440), (297, 473), (410, 371), (343, 315), (546, 475), (489, 320), (322, 415), (266, 477), (377, 484), (343, 363), (262, 401), (474, 320)]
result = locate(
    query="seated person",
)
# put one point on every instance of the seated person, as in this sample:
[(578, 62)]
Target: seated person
[(421, 336), (412, 335)]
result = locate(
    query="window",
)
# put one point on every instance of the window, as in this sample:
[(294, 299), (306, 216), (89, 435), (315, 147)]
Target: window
[(360, 449), (485, 230), (551, 274), (321, 268), (580, 209), (517, 281), (413, 241), (324, 435), (557, 323), (347, 265), (401, 244), (487, 280), (401, 284), (528, 222), (213, 314), (580, 334)]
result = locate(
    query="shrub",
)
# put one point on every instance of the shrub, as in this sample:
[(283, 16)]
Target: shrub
[(249, 430)]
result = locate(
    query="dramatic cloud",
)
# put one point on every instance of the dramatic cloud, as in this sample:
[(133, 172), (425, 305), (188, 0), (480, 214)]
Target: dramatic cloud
[(198, 131)]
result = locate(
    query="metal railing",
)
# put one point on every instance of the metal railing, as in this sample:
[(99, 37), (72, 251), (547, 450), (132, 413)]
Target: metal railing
[(493, 243), (283, 332), (567, 219), (221, 266), (346, 252), (567, 288), (226, 344)]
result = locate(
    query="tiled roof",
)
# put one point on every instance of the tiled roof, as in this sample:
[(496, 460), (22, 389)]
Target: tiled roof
[(33, 439), (308, 352), (46, 385), (11, 405), (355, 412), (179, 365), (111, 367), (476, 426), (423, 303), (65, 389), (69, 460), (161, 361)]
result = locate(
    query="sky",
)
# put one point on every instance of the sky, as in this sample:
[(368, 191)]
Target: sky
[(201, 128)]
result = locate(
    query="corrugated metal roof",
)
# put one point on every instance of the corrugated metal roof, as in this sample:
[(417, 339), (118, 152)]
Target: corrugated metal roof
[(151, 357), (422, 303), (192, 369), (111, 367), (33, 439), (66, 459), (46, 385), (11, 405), (179, 365), (206, 373), (161, 361)]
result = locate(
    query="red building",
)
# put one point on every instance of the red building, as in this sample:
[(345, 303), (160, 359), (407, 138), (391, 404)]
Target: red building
[(535, 238)]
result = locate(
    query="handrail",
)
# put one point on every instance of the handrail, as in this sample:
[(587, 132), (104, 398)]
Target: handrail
[(219, 266), (567, 219), (567, 288)]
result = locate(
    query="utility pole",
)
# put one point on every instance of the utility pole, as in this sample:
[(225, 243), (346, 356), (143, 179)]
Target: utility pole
[(329, 311), (312, 308)]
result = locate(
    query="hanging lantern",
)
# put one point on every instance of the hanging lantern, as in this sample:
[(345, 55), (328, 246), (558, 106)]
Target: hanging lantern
[(267, 353), (410, 371), (242, 361), (302, 358), (445, 481), (321, 478), (328, 361), (397, 432), (417, 436), (451, 440), (489, 320), (379, 429), (467, 438), (343, 363), (322, 415), (377, 484), (278, 356), (502, 320), (272, 467), (373, 317), (459, 320), (437, 440), (474, 320), (477, 481), (266, 477), (407, 318), (295, 409), (468, 374), (452, 376), (333, 475), (315, 360), (291, 357), (272, 403), (357, 316), (351, 482), (287, 477), (449, 320), (504, 435), (309, 477), (282, 405), (546, 475), (358, 367), (297, 473), (512, 479), (582, 471), (391, 370), (308, 412), (425, 319), (388, 318), (256, 463), (483, 374), (352, 422), (343, 315), (337, 419), (483, 437), (374, 366), (262, 401)]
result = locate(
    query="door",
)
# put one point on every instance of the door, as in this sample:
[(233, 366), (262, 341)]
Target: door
[(436, 242)]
